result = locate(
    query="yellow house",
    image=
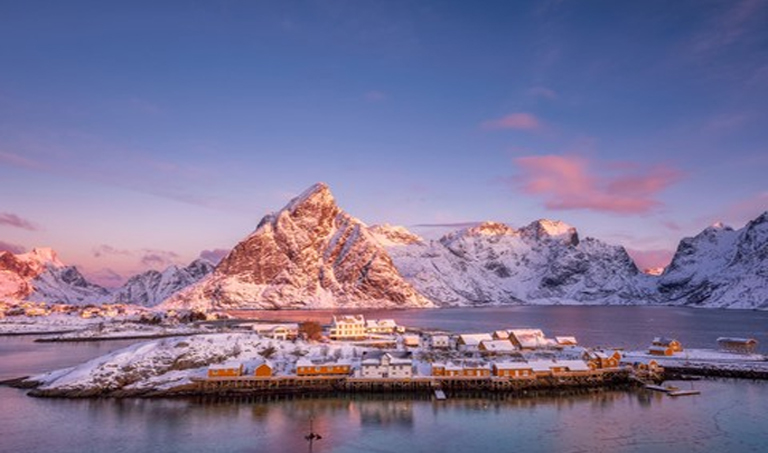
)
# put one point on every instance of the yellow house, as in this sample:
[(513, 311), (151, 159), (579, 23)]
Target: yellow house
[(320, 367), (225, 370), (671, 343), (512, 369), (263, 370)]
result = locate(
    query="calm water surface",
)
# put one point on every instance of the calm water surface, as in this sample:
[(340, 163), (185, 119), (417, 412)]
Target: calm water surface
[(730, 415)]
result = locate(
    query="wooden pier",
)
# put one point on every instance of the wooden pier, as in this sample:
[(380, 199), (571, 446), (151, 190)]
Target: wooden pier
[(251, 385)]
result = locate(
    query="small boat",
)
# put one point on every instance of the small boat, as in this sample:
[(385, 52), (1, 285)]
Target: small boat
[(684, 392), (439, 394)]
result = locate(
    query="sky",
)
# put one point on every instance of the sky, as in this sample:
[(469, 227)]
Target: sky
[(143, 134)]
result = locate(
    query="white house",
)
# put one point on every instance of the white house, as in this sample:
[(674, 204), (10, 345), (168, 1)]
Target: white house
[(348, 327), (277, 331), (529, 338), (496, 347), (471, 341), (439, 341), (380, 365), (381, 326)]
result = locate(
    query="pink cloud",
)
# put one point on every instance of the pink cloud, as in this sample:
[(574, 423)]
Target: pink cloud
[(649, 259), (519, 121), (214, 255), (12, 220), (571, 182), (13, 248), (158, 259), (104, 249), (672, 225)]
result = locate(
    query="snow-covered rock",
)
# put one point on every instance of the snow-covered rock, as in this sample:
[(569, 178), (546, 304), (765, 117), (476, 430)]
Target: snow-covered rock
[(544, 262), (720, 267), (310, 254), (40, 276), (152, 287)]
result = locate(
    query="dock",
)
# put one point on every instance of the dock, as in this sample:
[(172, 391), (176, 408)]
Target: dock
[(684, 392)]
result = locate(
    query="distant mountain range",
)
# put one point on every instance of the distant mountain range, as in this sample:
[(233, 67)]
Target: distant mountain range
[(312, 254)]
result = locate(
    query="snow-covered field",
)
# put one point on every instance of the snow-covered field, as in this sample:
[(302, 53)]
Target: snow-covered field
[(172, 362), (705, 358)]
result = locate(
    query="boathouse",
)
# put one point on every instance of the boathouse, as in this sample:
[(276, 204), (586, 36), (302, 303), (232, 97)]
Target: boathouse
[(471, 341), (737, 345), (665, 342), (322, 367), (264, 369), (513, 369), (529, 339), (227, 369)]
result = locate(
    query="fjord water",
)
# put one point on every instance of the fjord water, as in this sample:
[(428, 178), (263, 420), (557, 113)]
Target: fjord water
[(728, 416)]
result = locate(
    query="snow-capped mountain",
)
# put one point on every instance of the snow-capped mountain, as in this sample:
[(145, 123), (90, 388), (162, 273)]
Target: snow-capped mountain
[(152, 287), (720, 267), (310, 254), (40, 276), (494, 264)]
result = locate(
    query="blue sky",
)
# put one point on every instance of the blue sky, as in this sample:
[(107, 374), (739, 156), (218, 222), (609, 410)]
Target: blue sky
[(139, 135)]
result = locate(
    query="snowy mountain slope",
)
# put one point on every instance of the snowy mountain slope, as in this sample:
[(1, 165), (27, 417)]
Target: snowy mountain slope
[(492, 263), (720, 267), (40, 276), (310, 254), (152, 287)]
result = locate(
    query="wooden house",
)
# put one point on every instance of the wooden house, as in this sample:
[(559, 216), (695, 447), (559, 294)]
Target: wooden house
[(382, 365), (529, 339), (439, 341), (513, 369), (737, 345), (660, 350), (225, 370), (322, 367), (496, 347), (566, 341), (348, 327), (601, 359), (264, 369), (471, 341), (665, 342)]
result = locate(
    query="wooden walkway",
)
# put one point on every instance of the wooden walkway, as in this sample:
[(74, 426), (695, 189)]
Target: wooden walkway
[(421, 384)]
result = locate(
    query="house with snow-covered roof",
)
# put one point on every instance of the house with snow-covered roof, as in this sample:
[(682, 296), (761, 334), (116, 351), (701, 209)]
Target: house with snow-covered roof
[(529, 339), (471, 341), (320, 366), (226, 369), (384, 365), (496, 347), (348, 327)]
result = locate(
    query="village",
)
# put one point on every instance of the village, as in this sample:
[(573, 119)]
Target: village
[(390, 357)]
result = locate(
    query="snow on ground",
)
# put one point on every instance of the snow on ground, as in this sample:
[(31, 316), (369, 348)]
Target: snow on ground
[(167, 363), (41, 324), (705, 358)]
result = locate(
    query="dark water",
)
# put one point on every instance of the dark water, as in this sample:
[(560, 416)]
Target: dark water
[(628, 327), (730, 415)]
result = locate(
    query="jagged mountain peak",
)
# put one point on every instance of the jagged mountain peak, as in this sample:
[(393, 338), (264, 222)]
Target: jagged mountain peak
[(390, 235), (310, 254), (551, 229)]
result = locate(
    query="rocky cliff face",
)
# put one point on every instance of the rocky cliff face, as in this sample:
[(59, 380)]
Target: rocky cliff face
[(494, 264), (152, 287), (310, 254), (40, 276), (720, 267)]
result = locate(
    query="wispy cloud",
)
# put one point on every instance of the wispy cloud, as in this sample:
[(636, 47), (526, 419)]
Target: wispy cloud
[(519, 121), (542, 92), (375, 96), (215, 255), (13, 248), (13, 220), (158, 259), (106, 250), (573, 183)]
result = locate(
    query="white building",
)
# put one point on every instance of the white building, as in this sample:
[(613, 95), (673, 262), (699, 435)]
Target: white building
[(348, 327), (381, 326), (386, 365), (471, 341), (496, 347), (277, 331), (439, 341), (529, 339)]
